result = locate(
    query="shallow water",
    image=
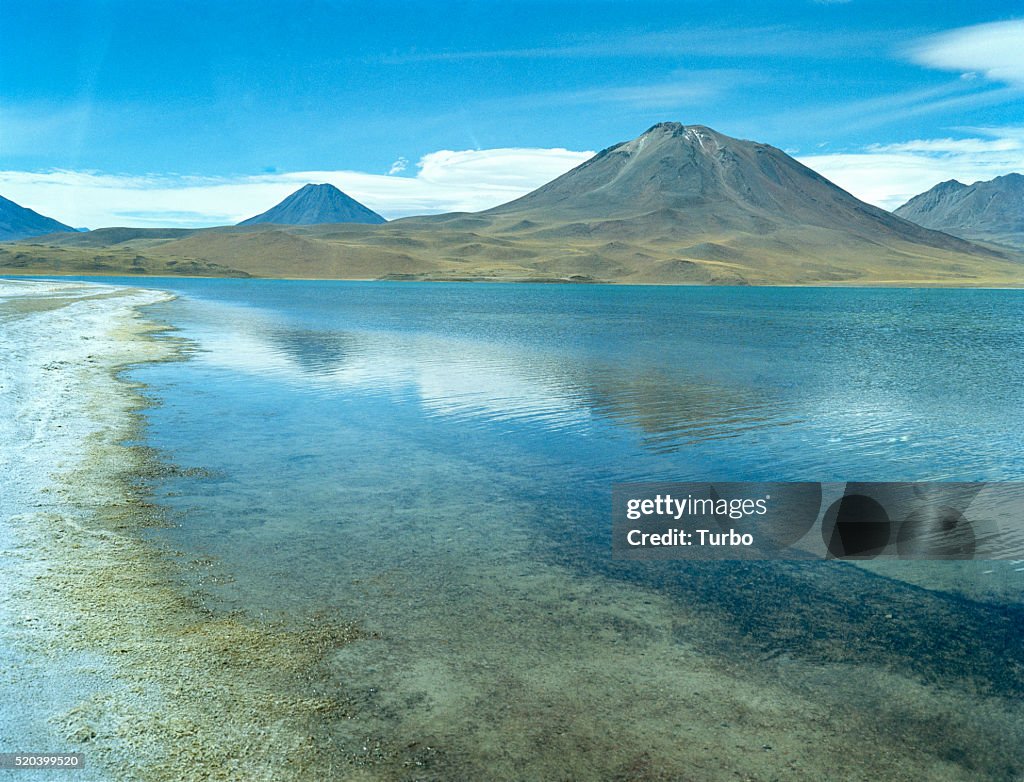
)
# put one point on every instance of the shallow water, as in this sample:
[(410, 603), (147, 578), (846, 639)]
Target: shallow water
[(435, 461)]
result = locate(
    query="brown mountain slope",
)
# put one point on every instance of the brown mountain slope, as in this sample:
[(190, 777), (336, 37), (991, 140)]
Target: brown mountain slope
[(682, 181), (679, 204)]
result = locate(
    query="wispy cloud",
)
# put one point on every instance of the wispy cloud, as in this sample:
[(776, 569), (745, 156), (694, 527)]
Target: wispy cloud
[(861, 115), (753, 42), (995, 50), (989, 59), (890, 175), (681, 88), (953, 147), (445, 181)]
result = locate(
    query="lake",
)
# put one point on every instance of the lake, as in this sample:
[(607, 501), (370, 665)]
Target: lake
[(435, 462)]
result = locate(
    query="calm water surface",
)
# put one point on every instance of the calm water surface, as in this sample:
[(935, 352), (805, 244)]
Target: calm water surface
[(435, 461)]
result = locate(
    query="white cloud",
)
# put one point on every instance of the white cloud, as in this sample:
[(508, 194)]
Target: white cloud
[(398, 166), (995, 49), (509, 169), (951, 146), (989, 61), (890, 175), (446, 181)]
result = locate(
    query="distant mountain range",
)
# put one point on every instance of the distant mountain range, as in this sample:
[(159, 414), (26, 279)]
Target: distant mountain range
[(990, 211), (679, 204), (19, 222), (317, 204)]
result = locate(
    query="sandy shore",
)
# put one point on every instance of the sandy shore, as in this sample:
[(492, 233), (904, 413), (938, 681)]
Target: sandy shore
[(100, 652), (44, 423)]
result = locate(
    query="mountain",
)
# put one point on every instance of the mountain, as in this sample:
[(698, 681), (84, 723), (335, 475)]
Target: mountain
[(990, 211), (316, 204), (680, 204), (688, 204), (19, 222), (690, 182)]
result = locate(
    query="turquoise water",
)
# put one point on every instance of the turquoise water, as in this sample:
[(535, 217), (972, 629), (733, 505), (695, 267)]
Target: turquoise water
[(435, 462)]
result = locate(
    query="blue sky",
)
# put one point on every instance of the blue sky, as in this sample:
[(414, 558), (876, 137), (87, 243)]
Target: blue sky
[(197, 113)]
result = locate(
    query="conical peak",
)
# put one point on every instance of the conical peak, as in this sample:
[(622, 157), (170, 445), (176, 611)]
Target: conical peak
[(692, 138), (320, 192), (312, 204), (678, 129), (687, 168)]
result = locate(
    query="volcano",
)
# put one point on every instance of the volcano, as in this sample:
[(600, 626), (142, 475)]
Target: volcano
[(315, 205)]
